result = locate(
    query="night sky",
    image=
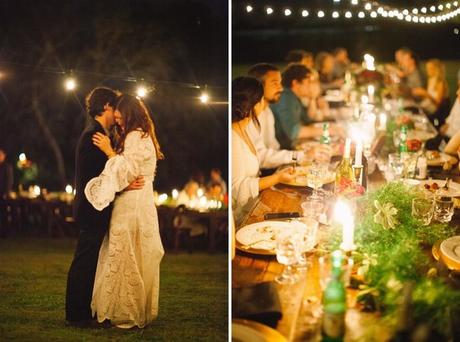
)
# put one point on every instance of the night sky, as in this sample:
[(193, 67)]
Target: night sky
[(171, 46)]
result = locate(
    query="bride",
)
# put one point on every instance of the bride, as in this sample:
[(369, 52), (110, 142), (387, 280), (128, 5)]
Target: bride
[(126, 286)]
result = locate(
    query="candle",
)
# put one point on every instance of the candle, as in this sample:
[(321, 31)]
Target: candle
[(359, 154), (370, 92), (68, 189), (343, 215), (175, 194), (383, 122), (346, 153)]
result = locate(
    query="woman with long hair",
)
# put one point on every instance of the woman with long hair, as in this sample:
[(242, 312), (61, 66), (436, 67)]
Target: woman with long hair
[(126, 287), (435, 98), (247, 103)]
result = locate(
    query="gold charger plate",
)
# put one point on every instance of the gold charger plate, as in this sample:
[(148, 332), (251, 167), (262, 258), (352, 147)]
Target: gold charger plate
[(437, 254), (441, 160), (300, 179), (244, 330)]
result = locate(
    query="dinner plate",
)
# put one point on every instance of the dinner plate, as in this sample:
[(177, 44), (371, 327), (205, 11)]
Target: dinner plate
[(420, 135), (452, 191), (249, 331), (450, 252), (310, 144), (260, 237), (301, 173), (440, 160)]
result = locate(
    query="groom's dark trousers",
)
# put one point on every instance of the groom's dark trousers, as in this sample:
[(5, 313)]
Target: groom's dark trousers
[(93, 224)]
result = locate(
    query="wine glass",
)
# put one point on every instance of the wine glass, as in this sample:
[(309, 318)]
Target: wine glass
[(315, 177), (286, 254)]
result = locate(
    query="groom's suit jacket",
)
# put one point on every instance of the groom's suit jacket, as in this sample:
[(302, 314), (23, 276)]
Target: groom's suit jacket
[(89, 163)]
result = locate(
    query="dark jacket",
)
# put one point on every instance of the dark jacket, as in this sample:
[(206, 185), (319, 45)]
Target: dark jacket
[(89, 163)]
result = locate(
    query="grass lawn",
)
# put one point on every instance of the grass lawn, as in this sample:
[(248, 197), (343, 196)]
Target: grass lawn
[(193, 296)]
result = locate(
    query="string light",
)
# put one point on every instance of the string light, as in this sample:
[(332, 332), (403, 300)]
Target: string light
[(348, 14), (249, 8), (204, 98), (368, 6), (70, 84), (320, 14), (141, 91), (305, 13), (269, 10), (287, 12), (361, 14), (354, 2), (335, 14)]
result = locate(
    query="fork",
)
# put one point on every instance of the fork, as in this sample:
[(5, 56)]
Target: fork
[(446, 186), (272, 238)]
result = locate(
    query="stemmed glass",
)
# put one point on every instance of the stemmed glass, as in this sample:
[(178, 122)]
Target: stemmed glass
[(286, 254), (315, 178)]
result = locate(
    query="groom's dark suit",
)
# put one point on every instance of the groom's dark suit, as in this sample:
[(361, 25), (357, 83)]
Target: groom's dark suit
[(93, 224)]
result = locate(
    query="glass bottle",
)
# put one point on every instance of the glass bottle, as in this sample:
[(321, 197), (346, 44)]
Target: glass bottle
[(325, 138)]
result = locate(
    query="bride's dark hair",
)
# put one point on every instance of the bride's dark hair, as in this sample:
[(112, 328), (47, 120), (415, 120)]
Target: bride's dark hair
[(135, 117)]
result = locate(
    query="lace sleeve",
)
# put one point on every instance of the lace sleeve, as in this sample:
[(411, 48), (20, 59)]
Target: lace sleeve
[(118, 172)]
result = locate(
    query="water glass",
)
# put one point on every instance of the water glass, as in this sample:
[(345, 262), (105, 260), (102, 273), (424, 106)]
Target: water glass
[(396, 165), (315, 177), (313, 208), (286, 254), (422, 210), (443, 209)]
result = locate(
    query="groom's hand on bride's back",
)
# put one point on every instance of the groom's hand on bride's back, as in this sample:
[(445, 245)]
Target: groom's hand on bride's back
[(136, 184)]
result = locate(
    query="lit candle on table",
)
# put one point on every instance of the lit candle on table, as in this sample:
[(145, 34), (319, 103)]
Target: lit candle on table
[(175, 194), (343, 215), (370, 92), (359, 154), (347, 148), (382, 122)]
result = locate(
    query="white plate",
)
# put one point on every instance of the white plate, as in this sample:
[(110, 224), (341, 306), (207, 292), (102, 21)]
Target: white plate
[(443, 158), (260, 237), (453, 191), (450, 250), (420, 135), (250, 331)]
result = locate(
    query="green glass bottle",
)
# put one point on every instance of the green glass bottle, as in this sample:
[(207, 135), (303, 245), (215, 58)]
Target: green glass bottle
[(344, 172), (334, 303), (325, 138), (403, 140)]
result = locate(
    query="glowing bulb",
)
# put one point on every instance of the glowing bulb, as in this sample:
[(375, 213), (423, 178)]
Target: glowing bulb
[(415, 19), (448, 6), (162, 198), (455, 3), (249, 8), (320, 14), (287, 12), (384, 14), (348, 14), (440, 7), (354, 2), (305, 13), (368, 6), (175, 194), (373, 14), (68, 189), (361, 14), (36, 190), (70, 84), (269, 10), (22, 157), (422, 20), (423, 10), (380, 10), (432, 8), (415, 11), (200, 192), (400, 16), (408, 18), (141, 91), (405, 12), (204, 98), (335, 14)]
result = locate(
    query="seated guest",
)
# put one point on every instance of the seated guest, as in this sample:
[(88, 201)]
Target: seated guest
[(435, 98), (301, 57), (216, 177), (291, 117), (189, 194), (325, 66), (341, 62), (412, 76), (452, 124), (263, 135), (215, 191), (247, 101)]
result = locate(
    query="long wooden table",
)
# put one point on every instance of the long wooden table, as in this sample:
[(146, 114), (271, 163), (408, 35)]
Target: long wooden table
[(298, 323)]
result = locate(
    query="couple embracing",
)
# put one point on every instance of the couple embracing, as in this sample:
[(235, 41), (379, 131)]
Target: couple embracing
[(115, 273)]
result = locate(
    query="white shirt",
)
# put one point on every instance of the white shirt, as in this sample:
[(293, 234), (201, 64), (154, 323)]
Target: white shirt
[(453, 120), (267, 129), (268, 157), (245, 171)]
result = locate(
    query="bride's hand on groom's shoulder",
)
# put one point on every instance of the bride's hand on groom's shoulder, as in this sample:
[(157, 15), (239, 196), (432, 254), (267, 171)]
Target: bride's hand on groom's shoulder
[(136, 184), (103, 143)]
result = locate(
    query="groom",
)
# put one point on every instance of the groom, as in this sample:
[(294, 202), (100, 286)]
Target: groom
[(92, 224)]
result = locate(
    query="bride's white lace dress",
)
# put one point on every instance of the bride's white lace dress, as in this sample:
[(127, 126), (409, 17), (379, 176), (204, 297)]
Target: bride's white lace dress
[(126, 286)]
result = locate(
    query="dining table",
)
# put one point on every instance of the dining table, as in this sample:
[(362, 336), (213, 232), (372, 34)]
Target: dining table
[(300, 301)]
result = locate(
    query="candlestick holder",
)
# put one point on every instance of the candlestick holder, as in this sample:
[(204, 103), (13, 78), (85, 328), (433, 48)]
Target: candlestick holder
[(358, 172)]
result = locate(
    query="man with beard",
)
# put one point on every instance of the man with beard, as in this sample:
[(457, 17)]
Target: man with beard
[(263, 137)]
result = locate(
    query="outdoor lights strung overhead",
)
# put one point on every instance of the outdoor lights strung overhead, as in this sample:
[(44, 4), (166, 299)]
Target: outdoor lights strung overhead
[(320, 14), (249, 8), (141, 91), (373, 14), (348, 14), (361, 14), (269, 10), (70, 84), (354, 2), (305, 13), (423, 10), (287, 12), (335, 14), (204, 97), (368, 6)]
